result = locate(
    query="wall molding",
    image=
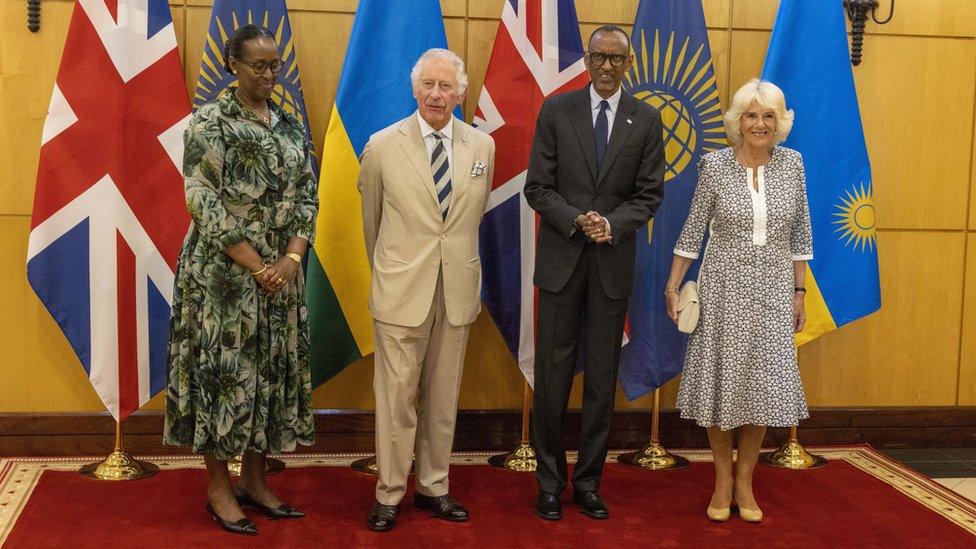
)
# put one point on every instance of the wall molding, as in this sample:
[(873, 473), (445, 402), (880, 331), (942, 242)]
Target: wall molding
[(75, 434)]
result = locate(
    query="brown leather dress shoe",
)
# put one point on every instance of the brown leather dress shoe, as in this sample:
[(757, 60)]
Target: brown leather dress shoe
[(443, 507), (382, 517)]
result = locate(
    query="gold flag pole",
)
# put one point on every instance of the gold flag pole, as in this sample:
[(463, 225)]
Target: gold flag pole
[(654, 456), (522, 458), (792, 455), (119, 465)]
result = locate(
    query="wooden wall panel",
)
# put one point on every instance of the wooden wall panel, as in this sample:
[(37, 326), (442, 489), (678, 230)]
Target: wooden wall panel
[(747, 52), (28, 67), (39, 371), (967, 355), (754, 14), (909, 350), (916, 88), (919, 118)]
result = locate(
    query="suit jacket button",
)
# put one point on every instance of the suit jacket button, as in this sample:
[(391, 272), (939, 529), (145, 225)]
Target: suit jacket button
[(435, 264), (443, 237)]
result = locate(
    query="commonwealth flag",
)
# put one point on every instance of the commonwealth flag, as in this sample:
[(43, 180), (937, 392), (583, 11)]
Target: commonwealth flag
[(374, 92), (226, 17), (809, 60), (673, 73)]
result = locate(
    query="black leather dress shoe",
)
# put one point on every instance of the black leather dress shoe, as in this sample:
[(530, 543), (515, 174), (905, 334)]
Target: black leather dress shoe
[(443, 507), (382, 517), (591, 504), (283, 511), (244, 526), (548, 506)]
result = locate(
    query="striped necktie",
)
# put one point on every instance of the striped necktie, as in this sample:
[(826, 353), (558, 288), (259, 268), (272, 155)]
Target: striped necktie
[(441, 170)]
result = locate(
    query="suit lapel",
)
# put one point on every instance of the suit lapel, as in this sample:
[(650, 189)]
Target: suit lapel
[(461, 160), (622, 127), (583, 124), (414, 149)]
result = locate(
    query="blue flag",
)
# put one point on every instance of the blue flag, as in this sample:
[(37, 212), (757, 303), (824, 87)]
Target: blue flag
[(808, 59), (225, 18), (374, 92), (673, 73)]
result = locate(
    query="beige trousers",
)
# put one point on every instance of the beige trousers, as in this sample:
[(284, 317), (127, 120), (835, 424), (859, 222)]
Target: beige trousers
[(416, 378)]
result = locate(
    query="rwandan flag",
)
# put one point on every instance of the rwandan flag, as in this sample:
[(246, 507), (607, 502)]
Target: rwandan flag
[(809, 60), (374, 92), (226, 17), (673, 73)]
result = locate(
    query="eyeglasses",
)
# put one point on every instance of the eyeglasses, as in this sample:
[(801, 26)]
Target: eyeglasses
[(597, 59), (261, 66)]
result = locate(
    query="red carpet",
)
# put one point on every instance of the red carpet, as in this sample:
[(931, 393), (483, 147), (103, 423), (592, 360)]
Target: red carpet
[(837, 506)]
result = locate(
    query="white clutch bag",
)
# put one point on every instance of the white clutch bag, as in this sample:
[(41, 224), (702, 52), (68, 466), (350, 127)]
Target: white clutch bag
[(688, 307)]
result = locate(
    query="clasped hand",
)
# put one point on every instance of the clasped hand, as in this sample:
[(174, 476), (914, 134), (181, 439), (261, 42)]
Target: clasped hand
[(277, 274), (594, 226)]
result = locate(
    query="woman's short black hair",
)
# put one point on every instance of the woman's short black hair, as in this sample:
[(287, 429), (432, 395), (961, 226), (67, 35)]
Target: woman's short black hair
[(233, 47)]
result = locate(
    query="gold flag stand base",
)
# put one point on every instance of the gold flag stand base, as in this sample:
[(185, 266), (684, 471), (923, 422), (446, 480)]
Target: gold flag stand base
[(792, 456), (119, 465), (654, 456), (271, 466), (522, 458), (365, 465)]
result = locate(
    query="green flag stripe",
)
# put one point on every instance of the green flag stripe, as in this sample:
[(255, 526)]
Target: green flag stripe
[(332, 346)]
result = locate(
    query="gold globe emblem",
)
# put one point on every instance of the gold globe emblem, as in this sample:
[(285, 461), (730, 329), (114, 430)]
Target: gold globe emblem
[(680, 137)]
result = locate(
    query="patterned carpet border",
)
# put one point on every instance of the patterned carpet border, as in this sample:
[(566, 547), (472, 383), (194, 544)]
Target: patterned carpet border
[(18, 476)]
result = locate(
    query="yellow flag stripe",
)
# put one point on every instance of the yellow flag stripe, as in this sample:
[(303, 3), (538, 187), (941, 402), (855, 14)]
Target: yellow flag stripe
[(819, 320), (339, 241)]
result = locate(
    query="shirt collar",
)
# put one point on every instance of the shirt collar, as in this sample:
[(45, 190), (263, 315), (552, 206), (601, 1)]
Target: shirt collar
[(426, 129), (614, 99)]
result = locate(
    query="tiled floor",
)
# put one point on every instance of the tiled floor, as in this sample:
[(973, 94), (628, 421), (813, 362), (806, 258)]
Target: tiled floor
[(954, 468)]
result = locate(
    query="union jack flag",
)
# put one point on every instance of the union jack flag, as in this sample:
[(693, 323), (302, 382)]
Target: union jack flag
[(538, 52), (109, 214)]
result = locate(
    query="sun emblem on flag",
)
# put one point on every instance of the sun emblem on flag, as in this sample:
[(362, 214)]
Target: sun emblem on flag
[(681, 86), (855, 218), (214, 79)]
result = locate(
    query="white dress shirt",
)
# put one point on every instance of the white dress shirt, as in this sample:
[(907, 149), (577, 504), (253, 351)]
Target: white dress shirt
[(613, 100), (427, 132)]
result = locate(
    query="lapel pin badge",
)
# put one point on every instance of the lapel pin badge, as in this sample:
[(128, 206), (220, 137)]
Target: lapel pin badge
[(629, 122)]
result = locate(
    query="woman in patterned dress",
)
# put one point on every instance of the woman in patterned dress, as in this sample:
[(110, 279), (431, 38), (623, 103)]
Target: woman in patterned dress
[(740, 370), (239, 380)]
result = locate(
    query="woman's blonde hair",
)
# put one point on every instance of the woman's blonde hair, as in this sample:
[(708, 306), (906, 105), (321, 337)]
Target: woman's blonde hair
[(767, 95)]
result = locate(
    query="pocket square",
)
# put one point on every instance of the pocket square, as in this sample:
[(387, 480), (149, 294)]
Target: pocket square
[(478, 168)]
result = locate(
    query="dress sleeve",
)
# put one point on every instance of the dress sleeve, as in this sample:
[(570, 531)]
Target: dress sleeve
[(306, 200), (204, 151), (702, 205), (801, 235)]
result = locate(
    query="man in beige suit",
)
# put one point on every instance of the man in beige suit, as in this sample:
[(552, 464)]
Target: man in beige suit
[(424, 182)]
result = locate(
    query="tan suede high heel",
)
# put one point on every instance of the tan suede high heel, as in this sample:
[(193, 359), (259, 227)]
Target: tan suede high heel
[(718, 515), (750, 515)]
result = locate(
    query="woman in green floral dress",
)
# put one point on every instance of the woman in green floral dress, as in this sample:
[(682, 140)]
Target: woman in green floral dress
[(239, 378)]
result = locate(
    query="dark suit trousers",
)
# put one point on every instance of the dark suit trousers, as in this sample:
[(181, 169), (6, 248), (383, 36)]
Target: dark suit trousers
[(580, 309)]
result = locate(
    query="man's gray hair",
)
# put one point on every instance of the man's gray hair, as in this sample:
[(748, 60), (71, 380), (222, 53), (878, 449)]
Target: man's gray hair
[(440, 53)]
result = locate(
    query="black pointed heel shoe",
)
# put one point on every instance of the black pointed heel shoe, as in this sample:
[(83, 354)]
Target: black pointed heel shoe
[(242, 527), (283, 511)]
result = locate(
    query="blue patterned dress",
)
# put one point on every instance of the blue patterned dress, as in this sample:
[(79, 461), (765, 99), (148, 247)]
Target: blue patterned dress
[(740, 364)]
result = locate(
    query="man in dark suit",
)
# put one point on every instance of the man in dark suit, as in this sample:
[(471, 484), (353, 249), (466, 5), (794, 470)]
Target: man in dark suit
[(595, 176)]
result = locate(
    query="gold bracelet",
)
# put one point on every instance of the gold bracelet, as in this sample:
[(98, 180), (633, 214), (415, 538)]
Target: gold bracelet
[(670, 291), (297, 258), (256, 273)]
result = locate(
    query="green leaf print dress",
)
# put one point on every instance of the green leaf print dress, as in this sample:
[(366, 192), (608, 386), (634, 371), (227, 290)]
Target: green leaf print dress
[(238, 360)]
